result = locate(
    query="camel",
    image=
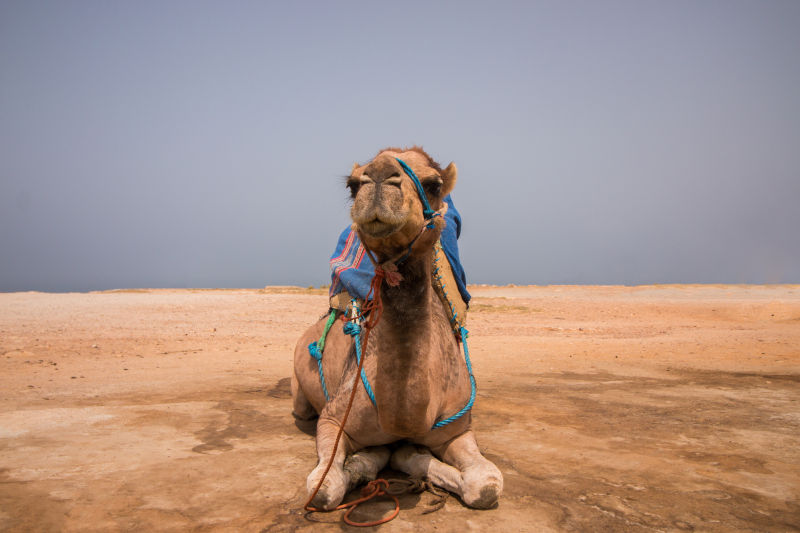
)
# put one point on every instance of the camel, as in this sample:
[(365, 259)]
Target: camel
[(412, 359)]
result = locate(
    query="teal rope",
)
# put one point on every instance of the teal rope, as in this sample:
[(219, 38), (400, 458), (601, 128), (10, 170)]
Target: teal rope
[(354, 330), (427, 211), (315, 350), (466, 408), (316, 354)]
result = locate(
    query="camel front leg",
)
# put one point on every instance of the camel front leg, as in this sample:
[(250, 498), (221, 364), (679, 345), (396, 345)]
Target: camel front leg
[(481, 480), (347, 472), (473, 477), (334, 486)]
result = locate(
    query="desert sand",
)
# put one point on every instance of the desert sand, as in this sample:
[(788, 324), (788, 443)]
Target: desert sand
[(657, 408)]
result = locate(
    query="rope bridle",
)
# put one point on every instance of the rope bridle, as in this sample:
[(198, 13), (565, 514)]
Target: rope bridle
[(389, 266)]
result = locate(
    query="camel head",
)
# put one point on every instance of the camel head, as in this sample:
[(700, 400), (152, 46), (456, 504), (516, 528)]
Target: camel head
[(387, 210)]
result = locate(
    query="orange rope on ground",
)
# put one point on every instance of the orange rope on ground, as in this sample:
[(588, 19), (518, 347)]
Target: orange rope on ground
[(366, 496)]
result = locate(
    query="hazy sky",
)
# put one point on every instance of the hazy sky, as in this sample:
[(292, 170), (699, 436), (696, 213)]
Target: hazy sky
[(203, 144)]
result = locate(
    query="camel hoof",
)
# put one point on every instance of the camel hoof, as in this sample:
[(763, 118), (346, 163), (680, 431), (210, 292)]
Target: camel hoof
[(331, 492)]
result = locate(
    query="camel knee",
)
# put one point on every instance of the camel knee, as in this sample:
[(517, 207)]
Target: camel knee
[(332, 490), (482, 485), (302, 409)]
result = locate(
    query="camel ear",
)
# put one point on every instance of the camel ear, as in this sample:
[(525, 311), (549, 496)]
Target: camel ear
[(449, 177)]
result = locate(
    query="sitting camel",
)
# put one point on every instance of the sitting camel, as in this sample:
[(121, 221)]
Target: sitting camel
[(421, 384)]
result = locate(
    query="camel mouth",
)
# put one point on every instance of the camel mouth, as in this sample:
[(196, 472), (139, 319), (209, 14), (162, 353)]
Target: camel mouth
[(379, 229)]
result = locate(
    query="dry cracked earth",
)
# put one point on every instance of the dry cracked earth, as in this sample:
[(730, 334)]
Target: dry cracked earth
[(659, 408)]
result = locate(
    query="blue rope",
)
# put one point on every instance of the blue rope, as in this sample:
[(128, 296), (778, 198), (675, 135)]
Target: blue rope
[(466, 408), (354, 330), (313, 349), (427, 211)]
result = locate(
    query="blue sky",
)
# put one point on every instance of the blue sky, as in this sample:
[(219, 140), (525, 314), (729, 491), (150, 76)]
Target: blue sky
[(203, 144)]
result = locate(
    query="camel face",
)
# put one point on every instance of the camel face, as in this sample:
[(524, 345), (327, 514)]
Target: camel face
[(387, 209)]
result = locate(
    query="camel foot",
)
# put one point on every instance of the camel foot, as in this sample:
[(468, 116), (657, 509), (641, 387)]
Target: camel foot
[(480, 481), (363, 466), (331, 492), (479, 486), (419, 462), (482, 484)]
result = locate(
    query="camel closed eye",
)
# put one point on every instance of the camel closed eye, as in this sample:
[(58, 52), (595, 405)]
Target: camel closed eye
[(394, 180), (354, 184)]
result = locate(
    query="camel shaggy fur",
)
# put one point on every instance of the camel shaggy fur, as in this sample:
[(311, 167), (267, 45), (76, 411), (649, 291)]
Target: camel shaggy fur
[(412, 359)]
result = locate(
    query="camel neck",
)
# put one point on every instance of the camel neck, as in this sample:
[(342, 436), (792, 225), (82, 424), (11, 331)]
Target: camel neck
[(403, 380), (407, 304)]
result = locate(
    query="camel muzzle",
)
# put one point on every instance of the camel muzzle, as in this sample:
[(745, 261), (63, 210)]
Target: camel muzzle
[(378, 229)]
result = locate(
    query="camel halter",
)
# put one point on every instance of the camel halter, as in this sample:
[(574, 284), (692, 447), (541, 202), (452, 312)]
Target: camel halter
[(427, 212), (388, 268)]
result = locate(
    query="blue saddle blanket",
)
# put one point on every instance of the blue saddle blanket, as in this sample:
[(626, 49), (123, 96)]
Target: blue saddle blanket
[(351, 269)]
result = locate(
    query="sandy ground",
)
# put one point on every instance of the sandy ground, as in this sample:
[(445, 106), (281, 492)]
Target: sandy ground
[(656, 408)]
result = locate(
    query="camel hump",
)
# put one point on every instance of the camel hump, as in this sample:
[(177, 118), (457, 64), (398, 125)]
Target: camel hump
[(444, 283)]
